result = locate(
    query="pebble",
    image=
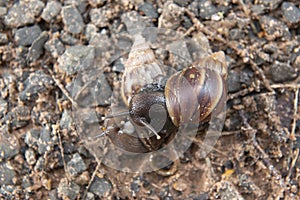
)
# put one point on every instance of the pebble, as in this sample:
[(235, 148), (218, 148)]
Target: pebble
[(36, 7), (36, 83), (290, 12), (26, 35), (77, 58), (76, 165), (274, 28), (171, 16), (6, 174), (55, 47), (101, 187), (8, 147), (32, 137), (233, 81), (99, 17), (3, 11), (40, 164), (134, 21), (45, 142), (18, 117), (3, 107), (19, 14), (148, 9), (3, 38), (182, 3), (281, 72), (68, 190), (72, 19), (36, 49), (68, 38), (30, 156), (51, 10), (66, 120)]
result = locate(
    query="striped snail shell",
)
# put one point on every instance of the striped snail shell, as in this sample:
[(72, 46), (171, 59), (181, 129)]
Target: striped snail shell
[(141, 68), (197, 90)]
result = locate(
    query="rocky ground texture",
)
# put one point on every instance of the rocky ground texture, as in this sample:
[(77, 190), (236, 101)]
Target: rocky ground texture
[(44, 44)]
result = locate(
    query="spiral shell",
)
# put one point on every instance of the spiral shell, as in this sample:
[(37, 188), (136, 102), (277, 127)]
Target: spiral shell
[(197, 93), (141, 68)]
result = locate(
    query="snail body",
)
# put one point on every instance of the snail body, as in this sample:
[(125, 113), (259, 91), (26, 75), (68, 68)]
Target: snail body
[(194, 95)]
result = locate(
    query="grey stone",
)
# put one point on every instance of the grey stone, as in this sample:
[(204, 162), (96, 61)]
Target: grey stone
[(55, 47), (7, 173), (148, 9), (290, 12), (36, 7), (76, 165), (3, 38), (45, 141), (30, 156), (18, 15), (80, 4), (182, 2), (18, 117), (76, 58), (203, 8), (68, 39), (134, 21), (51, 10), (8, 148), (99, 17), (72, 19), (66, 120), (32, 137), (90, 31), (68, 189), (40, 164), (100, 186), (36, 83), (36, 49), (281, 72), (3, 11), (26, 35), (3, 107), (274, 28), (233, 81)]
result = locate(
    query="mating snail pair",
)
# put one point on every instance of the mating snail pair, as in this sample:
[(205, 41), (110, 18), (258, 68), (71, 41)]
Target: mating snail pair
[(191, 96)]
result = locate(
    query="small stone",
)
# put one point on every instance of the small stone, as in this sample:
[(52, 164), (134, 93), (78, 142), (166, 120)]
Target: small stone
[(18, 117), (99, 17), (101, 187), (76, 165), (36, 49), (55, 47), (290, 12), (66, 120), (3, 38), (3, 11), (182, 3), (233, 81), (51, 10), (40, 164), (134, 21), (72, 19), (171, 16), (68, 39), (36, 83), (68, 190), (30, 156), (96, 3), (77, 58), (45, 142), (274, 28), (148, 9), (6, 174), (36, 7), (8, 147), (32, 137), (90, 31), (3, 107), (26, 35), (19, 14), (89, 196), (282, 72)]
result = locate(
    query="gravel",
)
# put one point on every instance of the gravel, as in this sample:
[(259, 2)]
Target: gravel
[(26, 35), (51, 10), (101, 187), (72, 19), (76, 165)]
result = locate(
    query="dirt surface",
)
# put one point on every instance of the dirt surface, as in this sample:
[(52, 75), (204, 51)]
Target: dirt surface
[(45, 46)]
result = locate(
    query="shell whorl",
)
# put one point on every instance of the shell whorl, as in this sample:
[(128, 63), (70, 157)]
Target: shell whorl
[(197, 93), (141, 68)]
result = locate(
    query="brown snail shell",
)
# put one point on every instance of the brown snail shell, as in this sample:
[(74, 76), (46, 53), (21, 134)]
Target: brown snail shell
[(197, 90), (141, 68)]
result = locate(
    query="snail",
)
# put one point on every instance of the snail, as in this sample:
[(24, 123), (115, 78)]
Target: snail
[(194, 95)]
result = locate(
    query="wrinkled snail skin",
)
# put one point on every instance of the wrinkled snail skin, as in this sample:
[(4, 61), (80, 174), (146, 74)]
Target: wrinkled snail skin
[(197, 93), (141, 68)]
